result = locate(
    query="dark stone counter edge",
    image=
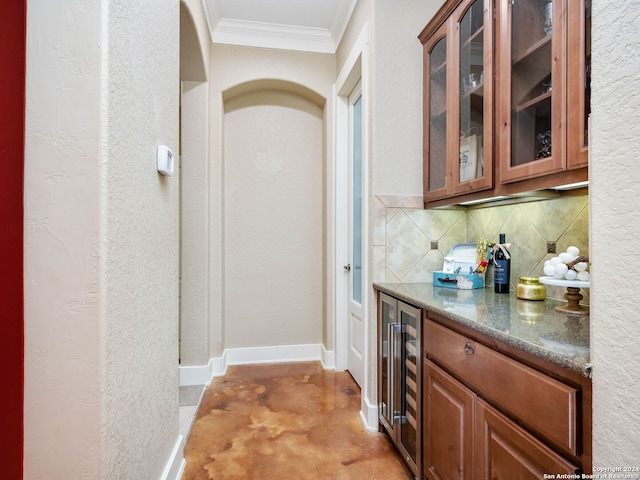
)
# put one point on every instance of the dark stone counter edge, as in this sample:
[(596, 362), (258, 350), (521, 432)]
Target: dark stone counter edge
[(583, 369)]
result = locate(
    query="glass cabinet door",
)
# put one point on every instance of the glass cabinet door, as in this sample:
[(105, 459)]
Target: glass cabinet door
[(474, 72), (458, 103), (435, 121), (579, 82), (533, 69)]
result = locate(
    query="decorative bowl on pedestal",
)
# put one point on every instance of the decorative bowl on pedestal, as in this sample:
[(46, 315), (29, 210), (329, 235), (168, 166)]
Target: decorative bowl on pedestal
[(573, 295)]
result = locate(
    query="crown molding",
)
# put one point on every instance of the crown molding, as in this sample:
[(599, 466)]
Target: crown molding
[(341, 21), (269, 35), (320, 39)]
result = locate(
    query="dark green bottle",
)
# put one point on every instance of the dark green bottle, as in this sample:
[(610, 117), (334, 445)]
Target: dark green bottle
[(501, 268)]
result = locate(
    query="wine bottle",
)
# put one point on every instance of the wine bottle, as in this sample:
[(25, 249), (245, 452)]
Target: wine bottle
[(501, 266)]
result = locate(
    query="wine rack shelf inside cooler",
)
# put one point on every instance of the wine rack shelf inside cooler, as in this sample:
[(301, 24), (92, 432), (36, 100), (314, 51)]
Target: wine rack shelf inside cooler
[(411, 390)]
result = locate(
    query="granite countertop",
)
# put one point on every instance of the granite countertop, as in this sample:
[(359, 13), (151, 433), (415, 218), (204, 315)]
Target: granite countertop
[(533, 327)]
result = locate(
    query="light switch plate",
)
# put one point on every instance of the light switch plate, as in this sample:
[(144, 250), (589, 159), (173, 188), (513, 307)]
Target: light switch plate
[(165, 160)]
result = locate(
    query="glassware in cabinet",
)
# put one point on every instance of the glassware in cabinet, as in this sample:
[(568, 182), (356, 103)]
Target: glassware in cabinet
[(458, 133), (473, 23), (532, 76), (435, 131)]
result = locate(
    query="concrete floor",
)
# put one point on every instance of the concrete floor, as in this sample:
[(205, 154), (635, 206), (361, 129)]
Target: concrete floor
[(286, 421)]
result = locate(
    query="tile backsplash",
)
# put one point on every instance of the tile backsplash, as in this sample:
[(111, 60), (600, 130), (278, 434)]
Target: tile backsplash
[(410, 243)]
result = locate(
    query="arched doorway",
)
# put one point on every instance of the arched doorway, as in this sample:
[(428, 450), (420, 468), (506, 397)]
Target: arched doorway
[(273, 226)]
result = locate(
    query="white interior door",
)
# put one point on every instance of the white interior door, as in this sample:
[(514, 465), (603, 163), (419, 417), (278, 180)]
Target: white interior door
[(354, 269)]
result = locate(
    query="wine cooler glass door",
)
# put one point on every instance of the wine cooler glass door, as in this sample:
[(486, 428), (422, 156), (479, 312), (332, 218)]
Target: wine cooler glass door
[(387, 317), (409, 384)]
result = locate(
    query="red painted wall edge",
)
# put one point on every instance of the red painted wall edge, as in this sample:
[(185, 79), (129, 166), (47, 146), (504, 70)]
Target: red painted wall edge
[(12, 114)]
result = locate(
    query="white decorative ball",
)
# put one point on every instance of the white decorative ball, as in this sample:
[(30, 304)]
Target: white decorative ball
[(561, 269), (571, 275), (555, 260), (584, 276), (581, 267), (549, 269), (575, 251), (567, 257)]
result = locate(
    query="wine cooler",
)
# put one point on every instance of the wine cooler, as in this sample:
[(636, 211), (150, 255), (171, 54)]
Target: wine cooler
[(400, 377)]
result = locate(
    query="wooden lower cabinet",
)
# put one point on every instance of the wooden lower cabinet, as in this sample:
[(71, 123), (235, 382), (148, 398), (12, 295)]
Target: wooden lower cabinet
[(448, 416), (545, 405), (506, 451), (466, 438), (459, 405)]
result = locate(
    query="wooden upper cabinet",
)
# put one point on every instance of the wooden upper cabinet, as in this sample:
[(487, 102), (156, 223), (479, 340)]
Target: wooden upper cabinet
[(532, 79), (437, 175), (506, 97), (473, 70), (458, 102), (579, 82), (544, 62)]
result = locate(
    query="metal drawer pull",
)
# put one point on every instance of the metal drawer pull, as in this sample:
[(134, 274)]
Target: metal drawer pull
[(468, 349)]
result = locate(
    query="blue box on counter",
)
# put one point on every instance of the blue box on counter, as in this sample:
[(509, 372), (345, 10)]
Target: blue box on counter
[(457, 271), (462, 281)]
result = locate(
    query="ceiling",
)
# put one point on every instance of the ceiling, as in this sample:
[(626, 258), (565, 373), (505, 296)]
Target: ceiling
[(303, 25)]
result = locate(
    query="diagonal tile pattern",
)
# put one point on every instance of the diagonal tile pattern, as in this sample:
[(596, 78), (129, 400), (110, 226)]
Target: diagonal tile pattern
[(286, 422), (404, 232)]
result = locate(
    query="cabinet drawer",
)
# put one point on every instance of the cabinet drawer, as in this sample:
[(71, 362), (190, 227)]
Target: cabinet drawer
[(504, 450), (545, 405)]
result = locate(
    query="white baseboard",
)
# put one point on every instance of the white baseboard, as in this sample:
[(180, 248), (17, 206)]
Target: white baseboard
[(217, 367), (175, 465), (195, 375), (202, 374), (369, 415), (277, 354), (328, 359)]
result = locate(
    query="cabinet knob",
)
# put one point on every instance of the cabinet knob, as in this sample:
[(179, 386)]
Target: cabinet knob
[(468, 349)]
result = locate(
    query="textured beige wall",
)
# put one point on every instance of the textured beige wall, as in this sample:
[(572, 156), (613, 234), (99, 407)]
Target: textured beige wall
[(141, 249), (362, 13), (397, 90), (233, 71), (232, 66), (102, 240), (615, 227), (63, 243), (195, 41), (194, 223), (273, 209)]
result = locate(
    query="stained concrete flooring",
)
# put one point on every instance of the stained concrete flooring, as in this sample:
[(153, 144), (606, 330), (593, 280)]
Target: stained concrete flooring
[(286, 421)]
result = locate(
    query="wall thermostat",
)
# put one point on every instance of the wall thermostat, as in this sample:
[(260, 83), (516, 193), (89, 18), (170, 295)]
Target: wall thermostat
[(165, 160)]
